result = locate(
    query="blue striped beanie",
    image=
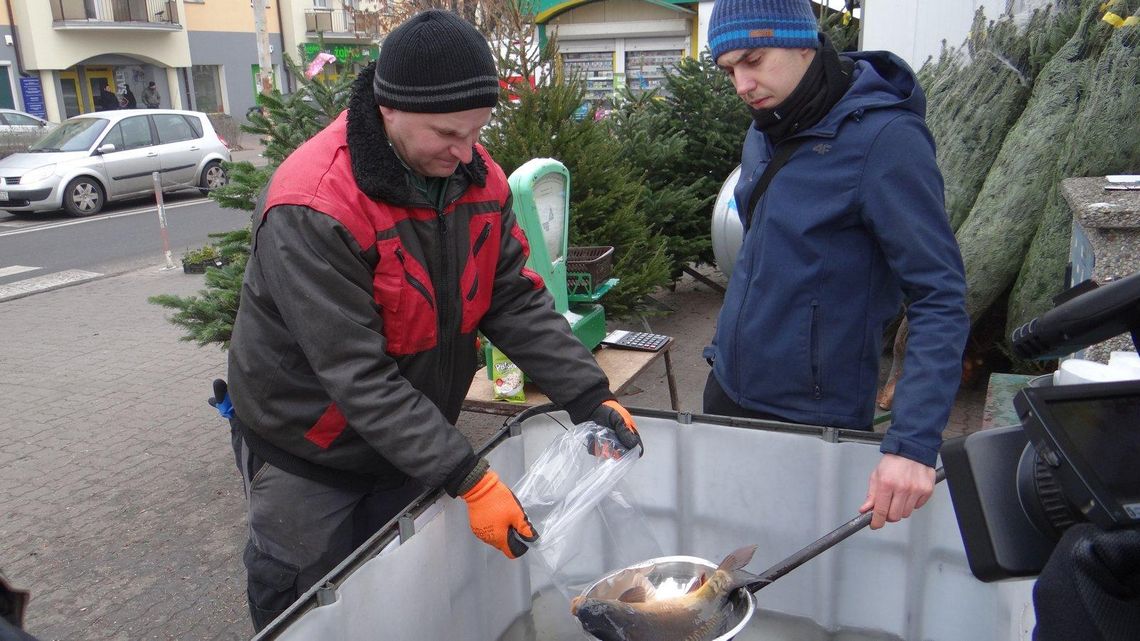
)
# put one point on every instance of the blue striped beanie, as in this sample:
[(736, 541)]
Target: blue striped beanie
[(755, 24)]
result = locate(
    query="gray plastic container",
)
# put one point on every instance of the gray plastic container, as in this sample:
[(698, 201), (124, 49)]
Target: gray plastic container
[(707, 486)]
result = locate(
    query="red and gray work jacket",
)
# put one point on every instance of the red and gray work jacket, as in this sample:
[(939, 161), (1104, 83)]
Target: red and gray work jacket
[(354, 344)]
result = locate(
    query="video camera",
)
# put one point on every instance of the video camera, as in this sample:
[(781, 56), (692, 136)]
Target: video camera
[(1075, 457)]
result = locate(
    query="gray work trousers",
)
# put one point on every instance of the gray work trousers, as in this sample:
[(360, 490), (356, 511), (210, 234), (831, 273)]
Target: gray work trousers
[(300, 529)]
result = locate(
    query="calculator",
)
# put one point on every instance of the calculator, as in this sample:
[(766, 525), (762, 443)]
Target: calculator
[(644, 341)]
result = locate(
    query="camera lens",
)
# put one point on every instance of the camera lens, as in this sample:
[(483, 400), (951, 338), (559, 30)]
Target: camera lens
[(1041, 496)]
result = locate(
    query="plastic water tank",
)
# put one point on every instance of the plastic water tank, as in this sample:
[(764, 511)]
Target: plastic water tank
[(727, 231)]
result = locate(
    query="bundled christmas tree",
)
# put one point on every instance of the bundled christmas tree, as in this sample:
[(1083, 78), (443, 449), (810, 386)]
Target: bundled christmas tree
[(1008, 211), (975, 93), (1104, 139)]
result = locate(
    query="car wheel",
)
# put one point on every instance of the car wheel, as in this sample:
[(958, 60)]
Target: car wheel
[(213, 176), (83, 196)]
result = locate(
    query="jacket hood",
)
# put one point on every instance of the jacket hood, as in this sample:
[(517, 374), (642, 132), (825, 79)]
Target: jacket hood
[(881, 80), (376, 168)]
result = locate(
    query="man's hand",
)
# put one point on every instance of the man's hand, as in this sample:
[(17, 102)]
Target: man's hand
[(497, 517), (898, 486), (612, 415)]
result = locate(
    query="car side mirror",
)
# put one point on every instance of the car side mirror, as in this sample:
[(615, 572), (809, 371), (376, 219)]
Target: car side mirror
[(106, 149)]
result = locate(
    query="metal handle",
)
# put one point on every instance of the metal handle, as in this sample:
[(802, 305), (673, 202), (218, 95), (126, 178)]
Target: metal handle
[(824, 543)]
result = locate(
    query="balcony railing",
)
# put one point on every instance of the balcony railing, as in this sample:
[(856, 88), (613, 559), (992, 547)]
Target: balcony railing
[(341, 22), (157, 12)]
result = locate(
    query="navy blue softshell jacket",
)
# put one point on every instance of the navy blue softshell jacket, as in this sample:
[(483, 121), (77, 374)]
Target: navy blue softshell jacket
[(851, 226)]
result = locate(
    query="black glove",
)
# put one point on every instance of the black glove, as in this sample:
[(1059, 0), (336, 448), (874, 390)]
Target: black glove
[(221, 399), (1090, 587), (612, 415)]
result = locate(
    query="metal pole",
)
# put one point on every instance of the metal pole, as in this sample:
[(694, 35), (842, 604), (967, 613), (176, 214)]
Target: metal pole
[(264, 60), (162, 219), (824, 543)]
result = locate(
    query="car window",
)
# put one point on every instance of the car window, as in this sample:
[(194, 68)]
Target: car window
[(195, 124), (75, 134), (21, 119), (130, 133), (173, 128)]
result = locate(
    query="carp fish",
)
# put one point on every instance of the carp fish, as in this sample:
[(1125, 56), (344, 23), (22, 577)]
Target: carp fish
[(638, 615)]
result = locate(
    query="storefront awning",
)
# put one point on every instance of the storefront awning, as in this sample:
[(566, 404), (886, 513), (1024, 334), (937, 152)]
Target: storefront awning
[(546, 10)]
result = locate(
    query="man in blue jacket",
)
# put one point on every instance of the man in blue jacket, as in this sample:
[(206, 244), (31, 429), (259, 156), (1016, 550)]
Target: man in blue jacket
[(852, 223)]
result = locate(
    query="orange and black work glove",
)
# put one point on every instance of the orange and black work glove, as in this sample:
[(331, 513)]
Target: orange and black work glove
[(612, 415), (497, 517)]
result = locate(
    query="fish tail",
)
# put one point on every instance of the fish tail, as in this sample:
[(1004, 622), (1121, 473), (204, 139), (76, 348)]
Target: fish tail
[(732, 566), (741, 578), (737, 559)]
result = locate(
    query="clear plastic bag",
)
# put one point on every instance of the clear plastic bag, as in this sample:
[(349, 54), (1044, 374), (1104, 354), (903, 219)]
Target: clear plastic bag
[(583, 512)]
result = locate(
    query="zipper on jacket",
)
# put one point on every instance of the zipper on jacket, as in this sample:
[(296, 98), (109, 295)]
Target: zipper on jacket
[(412, 280), (444, 294), (817, 391)]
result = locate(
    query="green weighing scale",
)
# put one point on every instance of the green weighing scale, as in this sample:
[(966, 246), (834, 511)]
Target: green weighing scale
[(541, 190)]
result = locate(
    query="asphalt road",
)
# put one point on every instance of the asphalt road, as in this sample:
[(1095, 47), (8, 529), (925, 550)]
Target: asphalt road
[(125, 236)]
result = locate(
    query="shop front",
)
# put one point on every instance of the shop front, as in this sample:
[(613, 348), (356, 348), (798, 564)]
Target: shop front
[(615, 44)]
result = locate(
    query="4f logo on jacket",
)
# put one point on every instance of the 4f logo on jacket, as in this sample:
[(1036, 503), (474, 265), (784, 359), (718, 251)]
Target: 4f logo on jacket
[(821, 148)]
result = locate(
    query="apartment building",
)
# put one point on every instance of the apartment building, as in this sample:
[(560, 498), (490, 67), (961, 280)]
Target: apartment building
[(59, 55)]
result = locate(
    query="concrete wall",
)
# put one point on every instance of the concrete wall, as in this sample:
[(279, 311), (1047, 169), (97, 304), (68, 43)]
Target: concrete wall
[(916, 29), (236, 53)]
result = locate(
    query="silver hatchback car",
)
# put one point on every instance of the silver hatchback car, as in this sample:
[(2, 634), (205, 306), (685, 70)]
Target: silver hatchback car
[(110, 155)]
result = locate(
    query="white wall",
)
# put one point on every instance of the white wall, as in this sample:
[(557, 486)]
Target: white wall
[(915, 29)]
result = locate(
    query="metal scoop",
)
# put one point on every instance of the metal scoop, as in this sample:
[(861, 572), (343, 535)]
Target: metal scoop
[(820, 545)]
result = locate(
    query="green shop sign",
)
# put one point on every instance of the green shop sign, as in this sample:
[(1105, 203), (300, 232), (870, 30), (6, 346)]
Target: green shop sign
[(343, 53)]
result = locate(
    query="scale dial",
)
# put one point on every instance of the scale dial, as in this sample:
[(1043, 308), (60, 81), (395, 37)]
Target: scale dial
[(550, 204)]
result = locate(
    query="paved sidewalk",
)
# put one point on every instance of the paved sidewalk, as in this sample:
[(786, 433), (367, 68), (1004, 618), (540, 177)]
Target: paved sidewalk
[(121, 511)]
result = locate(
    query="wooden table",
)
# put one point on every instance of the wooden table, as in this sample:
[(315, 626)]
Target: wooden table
[(620, 365)]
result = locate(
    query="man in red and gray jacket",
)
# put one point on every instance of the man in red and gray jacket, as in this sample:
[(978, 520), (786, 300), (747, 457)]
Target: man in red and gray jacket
[(382, 245)]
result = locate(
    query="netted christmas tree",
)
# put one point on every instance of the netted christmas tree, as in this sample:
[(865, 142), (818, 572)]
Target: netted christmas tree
[(996, 235), (976, 92), (1074, 72), (1104, 139)]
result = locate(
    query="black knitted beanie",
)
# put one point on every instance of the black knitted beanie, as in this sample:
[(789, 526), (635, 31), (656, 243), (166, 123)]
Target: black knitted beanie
[(435, 62)]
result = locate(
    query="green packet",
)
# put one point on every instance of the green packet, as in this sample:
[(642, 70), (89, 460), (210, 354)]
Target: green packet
[(506, 379)]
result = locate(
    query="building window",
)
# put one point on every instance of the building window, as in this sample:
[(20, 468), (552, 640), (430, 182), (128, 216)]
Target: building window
[(207, 88)]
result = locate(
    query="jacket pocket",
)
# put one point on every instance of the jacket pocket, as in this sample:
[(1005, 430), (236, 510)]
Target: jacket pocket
[(402, 289), (479, 272), (813, 356)]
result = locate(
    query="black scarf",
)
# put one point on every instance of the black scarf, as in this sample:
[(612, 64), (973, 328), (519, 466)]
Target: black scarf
[(827, 78)]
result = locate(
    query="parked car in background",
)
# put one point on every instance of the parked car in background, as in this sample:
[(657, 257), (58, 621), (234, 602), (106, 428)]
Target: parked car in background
[(18, 121), (104, 156)]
